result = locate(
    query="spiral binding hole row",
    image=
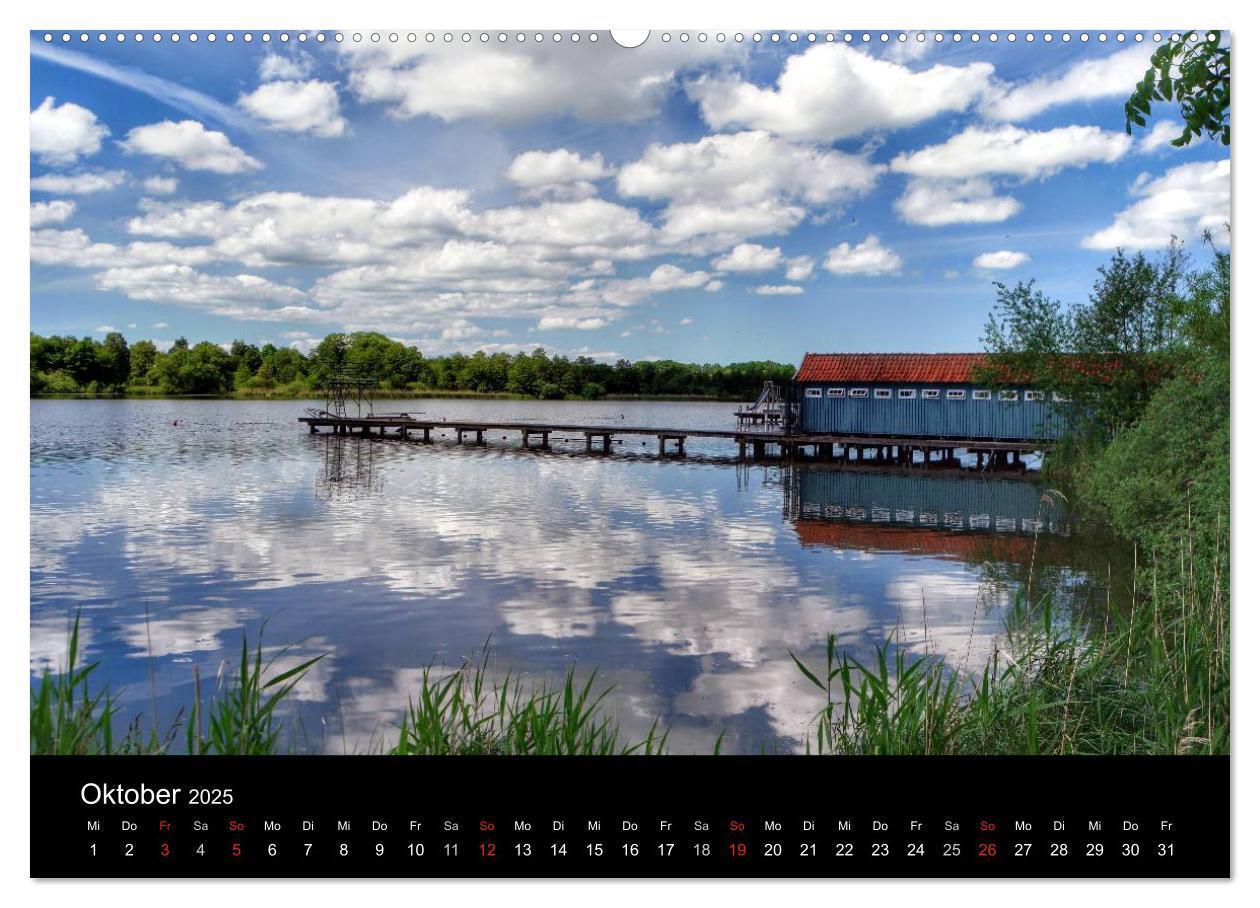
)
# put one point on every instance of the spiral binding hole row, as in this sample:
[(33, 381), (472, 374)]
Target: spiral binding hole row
[(592, 37)]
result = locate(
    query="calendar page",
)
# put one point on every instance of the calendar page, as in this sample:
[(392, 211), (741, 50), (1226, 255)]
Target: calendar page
[(714, 452)]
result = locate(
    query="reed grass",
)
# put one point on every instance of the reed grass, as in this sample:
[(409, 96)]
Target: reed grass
[(68, 717), (1152, 679), (466, 711), (469, 711)]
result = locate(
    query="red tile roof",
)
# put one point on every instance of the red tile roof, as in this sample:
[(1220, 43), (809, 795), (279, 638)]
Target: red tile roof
[(931, 368)]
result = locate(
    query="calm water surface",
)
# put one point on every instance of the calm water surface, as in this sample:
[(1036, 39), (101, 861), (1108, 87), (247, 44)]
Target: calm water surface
[(177, 526)]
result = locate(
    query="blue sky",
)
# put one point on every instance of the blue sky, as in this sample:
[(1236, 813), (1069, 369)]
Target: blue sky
[(707, 201)]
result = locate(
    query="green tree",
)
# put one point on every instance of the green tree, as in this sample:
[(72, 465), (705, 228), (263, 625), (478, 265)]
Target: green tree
[(203, 369), (114, 358), (143, 356), (1107, 355)]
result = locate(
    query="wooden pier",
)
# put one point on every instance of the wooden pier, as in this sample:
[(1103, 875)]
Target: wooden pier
[(761, 444)]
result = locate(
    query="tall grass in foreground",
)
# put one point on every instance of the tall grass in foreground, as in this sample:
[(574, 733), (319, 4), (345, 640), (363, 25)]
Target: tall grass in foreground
[(1154, 679), (467, 712), (68, 718), (463, 712)]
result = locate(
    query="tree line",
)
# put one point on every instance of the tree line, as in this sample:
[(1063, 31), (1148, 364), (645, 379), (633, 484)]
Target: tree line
[(85, 365)]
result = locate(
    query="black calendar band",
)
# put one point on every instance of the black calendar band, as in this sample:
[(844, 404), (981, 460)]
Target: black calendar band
[(441, 817)]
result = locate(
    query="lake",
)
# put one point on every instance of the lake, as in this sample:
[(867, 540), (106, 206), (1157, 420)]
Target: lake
[(178, 525)]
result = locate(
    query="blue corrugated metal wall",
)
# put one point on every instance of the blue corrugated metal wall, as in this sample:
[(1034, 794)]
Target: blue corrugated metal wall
[(920, 417)]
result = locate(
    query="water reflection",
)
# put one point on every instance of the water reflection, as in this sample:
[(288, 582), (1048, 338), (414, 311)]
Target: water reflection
[(686, 584)]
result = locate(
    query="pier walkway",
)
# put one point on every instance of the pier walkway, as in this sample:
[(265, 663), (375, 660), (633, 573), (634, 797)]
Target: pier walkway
[(760, 442)]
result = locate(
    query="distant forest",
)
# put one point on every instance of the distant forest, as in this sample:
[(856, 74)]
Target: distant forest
[(70, 365)]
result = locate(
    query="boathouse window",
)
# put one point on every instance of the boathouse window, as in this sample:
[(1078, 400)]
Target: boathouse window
[(981, 395), (813, 392), (1008, 395), (835, 392), (1061, 398), (1034, 395), (905, 393), (956, 394), (883, 393), (931, 393), (857, 392)]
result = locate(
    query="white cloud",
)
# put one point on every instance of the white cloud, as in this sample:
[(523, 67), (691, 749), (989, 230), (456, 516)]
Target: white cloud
[(287, 228), (553, 322), (747, 258), (1183, 202), (1114, 76), (57, 211), (79, 183), (714, 286), (1012, 151), (778, 290), (732, 187), (686, 321), (518, 83), (75, 249), (190, 145), (934, 202), (868, 257), (161, 185), (800, 268), (559, 174), (309, 107), (1159, 135), (833, 91), (61, 134), (1000, 260), (239, 296), (628, 291), (275, 66), (104, 329), (410, 265)]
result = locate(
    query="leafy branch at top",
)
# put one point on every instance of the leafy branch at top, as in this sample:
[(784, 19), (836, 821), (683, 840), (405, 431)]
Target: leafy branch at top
[(1195, 76)]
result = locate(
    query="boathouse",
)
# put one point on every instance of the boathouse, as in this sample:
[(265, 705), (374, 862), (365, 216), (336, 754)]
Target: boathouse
[(918, 395)]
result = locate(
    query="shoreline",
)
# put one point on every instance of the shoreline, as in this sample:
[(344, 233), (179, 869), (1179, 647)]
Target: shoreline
[(395, 394)]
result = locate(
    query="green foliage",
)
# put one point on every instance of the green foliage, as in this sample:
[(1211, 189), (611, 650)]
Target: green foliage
[(1195, 76), (1142, 323), (468, 712), (1153, 679), (143, 355), (66, 717), (241, 718), (1146, 362), (1171, 465), (464, 712), (203, 369), (67, 365)]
